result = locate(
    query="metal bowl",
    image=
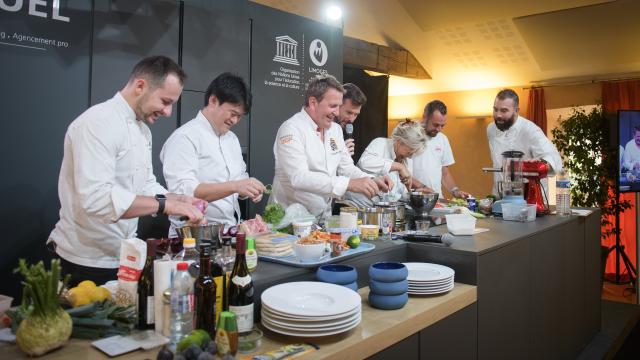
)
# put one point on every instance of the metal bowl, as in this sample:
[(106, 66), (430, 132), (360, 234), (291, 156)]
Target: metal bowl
[(423, 202)]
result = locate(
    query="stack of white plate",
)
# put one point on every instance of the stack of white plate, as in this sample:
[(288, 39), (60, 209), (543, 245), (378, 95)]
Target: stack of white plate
[(429, 279), (309, 308)]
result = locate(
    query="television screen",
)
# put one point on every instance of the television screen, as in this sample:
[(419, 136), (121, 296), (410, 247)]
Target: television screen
[(629, 150)]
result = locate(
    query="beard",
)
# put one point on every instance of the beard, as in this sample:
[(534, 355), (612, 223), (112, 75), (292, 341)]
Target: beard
[(432, 133), (506, 124)]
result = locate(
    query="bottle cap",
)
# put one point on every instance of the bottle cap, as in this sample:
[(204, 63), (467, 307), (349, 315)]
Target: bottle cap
[(182, 266), (152, 245), (241, 244), (189, 243), (251, 243), (227, 321), (205, 248)]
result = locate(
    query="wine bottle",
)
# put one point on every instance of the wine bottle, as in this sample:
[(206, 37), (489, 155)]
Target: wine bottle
[(205, 294), (241, 288), (146, 312)]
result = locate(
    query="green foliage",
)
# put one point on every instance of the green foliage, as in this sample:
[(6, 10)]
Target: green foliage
[(41, 289), (273, 213), (582, 139)]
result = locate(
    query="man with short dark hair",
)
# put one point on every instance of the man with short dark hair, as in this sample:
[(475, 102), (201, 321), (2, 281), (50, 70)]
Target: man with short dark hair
[(352, 102), (510, 131), (631, 153), (312, 162), (431, 167), (203, 157), (106, 179)]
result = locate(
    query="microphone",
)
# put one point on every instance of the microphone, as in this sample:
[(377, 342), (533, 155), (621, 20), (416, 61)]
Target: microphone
[(349, 131), (444, 239)]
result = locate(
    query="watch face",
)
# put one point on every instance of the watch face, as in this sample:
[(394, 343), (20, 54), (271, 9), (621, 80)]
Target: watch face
[(161, 196)]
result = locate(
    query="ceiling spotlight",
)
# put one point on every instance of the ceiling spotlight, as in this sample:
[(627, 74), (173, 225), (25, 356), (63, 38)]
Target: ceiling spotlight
[(334, 12)]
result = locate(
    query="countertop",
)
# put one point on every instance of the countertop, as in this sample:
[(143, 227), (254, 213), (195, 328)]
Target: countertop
[(378, 330)]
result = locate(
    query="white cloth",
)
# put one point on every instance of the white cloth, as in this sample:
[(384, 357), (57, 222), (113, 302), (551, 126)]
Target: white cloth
[(196, 154), (428, 165), (523, 136), (106, 163), (631, 155), (376, 160), (309, 171)]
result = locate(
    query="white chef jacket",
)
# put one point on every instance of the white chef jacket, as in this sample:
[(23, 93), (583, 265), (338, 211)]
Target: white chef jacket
[(308, 171), (196, 154), (523, 136), (631, 154), (106, 163), (428, 165), (376, 160)]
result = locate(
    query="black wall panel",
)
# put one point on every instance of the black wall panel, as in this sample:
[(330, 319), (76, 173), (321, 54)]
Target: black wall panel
[(278, 83), (44, 82), (124, 33)]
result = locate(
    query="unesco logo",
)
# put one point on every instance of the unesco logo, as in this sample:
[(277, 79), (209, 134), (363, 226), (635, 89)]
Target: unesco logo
[(318, 52)]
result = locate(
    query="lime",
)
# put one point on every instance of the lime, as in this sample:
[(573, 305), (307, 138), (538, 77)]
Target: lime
[(353, 241), (187, 341), (202, 336)]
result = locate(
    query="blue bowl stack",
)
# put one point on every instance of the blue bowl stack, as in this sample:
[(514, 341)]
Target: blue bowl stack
[(344, 275), (388, 285)]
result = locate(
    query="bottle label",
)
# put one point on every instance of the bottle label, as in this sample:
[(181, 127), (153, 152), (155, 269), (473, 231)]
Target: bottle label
[(244, 317), (563, 184), (182, 303), (222, 341), (252, 259), (151, 315), (241, 281), (219, 291)]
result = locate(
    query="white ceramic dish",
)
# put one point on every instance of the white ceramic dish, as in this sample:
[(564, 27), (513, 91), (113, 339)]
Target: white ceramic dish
[(430, 292), (308, 298), (298, 333), (313, 327), (308, 319), (428, 272)]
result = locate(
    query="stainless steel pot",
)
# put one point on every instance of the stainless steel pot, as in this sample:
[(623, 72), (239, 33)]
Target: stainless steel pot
[(209, 232), (397, 206)]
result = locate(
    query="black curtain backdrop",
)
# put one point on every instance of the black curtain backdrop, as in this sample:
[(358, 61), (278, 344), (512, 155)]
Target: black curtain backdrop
[(372, 121)]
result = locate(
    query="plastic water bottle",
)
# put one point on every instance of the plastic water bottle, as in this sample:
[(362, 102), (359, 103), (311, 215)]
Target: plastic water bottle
[(182, 304), (563, 194)]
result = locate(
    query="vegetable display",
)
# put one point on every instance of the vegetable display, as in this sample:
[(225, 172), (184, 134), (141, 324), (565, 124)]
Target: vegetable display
[(46, 326), (102, 319)]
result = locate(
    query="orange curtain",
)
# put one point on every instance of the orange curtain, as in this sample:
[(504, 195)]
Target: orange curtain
[(622, 95), (537, 111)]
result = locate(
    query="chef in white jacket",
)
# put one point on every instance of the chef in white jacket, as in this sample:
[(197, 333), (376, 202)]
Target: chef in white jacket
[(631, 153), (203, 157), (313, 164), (509, 131), (393, 157)]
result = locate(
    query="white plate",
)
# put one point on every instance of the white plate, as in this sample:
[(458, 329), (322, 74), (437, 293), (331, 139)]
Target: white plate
[(315, 327), (429, 292), (439, 288), (434, 282), (310, 299), (427, 272), (313, 319), (286, 331)]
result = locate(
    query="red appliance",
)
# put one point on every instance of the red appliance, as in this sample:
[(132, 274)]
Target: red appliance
[(534, 171)]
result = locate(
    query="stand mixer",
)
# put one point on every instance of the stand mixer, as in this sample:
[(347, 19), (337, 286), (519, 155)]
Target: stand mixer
[(534, 171)]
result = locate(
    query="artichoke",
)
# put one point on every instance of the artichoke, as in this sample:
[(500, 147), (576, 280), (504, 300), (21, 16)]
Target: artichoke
[(47, 326)]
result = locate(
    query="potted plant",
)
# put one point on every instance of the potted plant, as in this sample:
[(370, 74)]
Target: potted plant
[(583, 140)]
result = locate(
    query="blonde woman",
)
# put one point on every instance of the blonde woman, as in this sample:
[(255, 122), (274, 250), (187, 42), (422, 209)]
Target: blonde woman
[(384, 156)]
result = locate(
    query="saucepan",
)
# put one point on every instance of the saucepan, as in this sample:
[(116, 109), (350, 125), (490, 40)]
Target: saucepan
[(209, 232)]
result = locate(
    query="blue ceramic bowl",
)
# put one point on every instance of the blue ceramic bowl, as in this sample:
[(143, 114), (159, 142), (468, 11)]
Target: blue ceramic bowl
[(353, 286), (388, 272), (388, 288), (388, 302), (337, 274)]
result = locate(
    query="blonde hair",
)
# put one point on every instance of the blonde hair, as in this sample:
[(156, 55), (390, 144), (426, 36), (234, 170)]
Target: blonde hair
[(412, 134)]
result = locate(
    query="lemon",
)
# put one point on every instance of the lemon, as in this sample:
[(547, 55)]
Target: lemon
[(87, 283), (105, 294), (78, 296), (353, 241), (202, 336)]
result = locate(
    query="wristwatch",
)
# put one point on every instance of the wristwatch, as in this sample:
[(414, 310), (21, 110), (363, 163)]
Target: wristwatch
[(161, 200)]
